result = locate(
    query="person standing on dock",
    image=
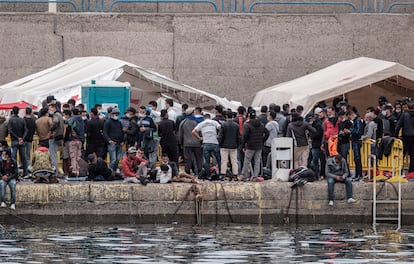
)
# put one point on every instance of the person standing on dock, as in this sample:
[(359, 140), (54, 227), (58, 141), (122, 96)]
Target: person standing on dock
[(114, 135)]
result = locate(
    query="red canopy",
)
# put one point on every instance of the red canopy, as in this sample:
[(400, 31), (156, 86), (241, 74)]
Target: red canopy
[(21, 105)]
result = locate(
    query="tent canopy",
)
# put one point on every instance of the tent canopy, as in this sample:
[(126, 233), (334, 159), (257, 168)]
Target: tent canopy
[(65, 79), (361, 81)]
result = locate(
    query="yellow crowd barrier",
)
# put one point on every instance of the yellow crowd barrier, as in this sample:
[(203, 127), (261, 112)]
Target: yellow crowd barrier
[(395, 160), (365, 152)]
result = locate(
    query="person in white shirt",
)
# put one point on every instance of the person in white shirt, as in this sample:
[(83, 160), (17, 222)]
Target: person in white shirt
[(172, 115), (209, 132)]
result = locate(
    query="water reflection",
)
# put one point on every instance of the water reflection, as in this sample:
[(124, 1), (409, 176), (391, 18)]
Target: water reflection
[(208, 244)]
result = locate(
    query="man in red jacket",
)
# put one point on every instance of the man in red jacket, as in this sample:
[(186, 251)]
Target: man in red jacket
[(134, 167)]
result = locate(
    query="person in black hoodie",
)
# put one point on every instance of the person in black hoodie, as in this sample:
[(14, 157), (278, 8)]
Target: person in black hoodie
[(316, 138), (406, 123), (114, 135), (298, 129), (168, 141), (229, 141), (18, 132), (254, 136), (95, 141), (344, 135)]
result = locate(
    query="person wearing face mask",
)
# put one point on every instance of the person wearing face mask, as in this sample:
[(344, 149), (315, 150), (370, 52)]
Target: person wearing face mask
[(8, 174), (132, 128), (145, 135), (356, 131), (76, 139), (95, 141), (389, 122), (114, 135), (330, 128), (43, 127), (57, 131), (337, 171)]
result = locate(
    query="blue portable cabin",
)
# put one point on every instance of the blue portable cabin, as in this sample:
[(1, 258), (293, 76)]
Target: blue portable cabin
[(107, 93)]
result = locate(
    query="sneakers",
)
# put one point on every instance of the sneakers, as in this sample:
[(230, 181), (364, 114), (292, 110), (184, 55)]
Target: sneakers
[(330, 203), (351, 200), (13, 207), (3, 204)]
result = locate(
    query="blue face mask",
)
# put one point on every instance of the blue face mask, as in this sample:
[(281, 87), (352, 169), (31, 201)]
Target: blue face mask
[(383, 112)]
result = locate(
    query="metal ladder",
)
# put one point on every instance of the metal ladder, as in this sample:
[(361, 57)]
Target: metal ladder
[(376, 201)]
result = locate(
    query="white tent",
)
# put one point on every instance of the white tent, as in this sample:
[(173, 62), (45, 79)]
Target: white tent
[(361, 81), (64, 81)]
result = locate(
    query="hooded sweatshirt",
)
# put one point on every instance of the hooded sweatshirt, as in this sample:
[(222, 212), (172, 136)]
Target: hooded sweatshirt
[(406, 123), (298, 131), (254, 134), (334, 169)]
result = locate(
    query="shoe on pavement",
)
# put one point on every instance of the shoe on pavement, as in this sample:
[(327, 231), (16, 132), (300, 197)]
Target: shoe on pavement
[(351, 200), (330, 203), (13, 207), (3, 204)]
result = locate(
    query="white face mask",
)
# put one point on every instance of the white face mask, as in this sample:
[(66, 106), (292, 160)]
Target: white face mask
[(141, 115), (114, 117), (128, 115), (84, 118), (64, 118)]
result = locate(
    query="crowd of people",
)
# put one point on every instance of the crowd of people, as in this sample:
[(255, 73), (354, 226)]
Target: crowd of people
[(222, 145)]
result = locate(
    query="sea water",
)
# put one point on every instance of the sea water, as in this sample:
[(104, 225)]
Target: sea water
[(225, 243)]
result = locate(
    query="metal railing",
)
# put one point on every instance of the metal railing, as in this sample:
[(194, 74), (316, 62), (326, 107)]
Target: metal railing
[(212, 3), (229, 6), (69, 2), (251, 7)]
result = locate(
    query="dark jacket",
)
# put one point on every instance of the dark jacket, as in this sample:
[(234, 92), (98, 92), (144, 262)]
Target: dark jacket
[(166, 131), (31, 128), (356, 129), (385, 147), (254, 134), (132, 131), (99, 167), (77, 128), (12, 170), (17, 127), (332, 169), (406, 123), (229, 135), (94, 131), (389, 122), (113, 131), (298, 131), (343, 137), (317, 136)]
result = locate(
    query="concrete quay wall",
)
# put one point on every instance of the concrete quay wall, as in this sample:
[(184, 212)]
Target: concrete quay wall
[(267, 202), (232, 55)]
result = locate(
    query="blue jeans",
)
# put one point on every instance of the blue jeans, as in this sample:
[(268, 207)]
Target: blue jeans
[(12, 187), (28, 146), (344, 150), (316, 157), (210, 148), (115, 153), (53, 149), (22, 151), (331, 183), (356, 148)]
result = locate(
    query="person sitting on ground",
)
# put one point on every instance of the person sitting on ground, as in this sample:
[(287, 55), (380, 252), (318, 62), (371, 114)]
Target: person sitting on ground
[(8, 174), (134, 167), (43, 170), (336, 170), (164, 173), (98, 170)]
